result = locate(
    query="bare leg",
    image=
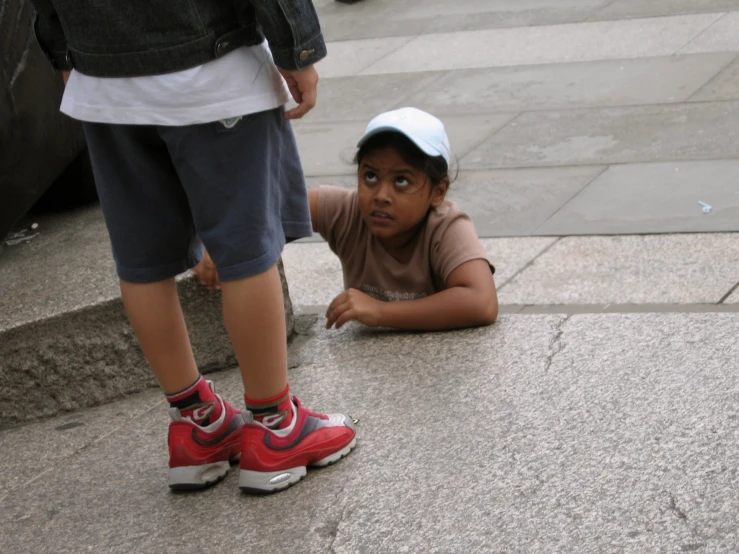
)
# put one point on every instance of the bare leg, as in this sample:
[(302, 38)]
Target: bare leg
[(156, 317), (253, 310)]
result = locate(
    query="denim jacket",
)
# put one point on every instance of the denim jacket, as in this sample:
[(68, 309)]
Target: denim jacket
[(127, 38)]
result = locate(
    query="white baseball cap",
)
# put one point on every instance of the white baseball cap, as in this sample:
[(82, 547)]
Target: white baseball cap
[(423, 129)]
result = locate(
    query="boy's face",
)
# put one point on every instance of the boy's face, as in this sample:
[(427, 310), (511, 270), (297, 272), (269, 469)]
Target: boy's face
[(395, 197)]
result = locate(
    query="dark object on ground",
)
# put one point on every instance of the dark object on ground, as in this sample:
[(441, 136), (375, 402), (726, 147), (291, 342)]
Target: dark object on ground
[(37, 143), (75, 187), (348, 1)]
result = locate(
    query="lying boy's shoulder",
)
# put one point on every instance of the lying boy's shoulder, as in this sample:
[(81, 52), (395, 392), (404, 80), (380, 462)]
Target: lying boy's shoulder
[(446, 214)]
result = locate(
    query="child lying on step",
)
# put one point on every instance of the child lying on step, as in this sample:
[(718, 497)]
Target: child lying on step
[(411, 258)]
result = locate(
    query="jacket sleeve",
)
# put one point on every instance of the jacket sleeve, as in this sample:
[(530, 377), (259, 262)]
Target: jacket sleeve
[(49, 33), (292, 30)]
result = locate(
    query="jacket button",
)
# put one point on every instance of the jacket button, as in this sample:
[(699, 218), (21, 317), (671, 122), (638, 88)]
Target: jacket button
[(305, 54), (220, 47), (68, 59)]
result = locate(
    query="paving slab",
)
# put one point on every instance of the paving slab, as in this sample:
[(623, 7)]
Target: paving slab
[(511, 255), (634, 38), (697, 131), (653, 198), (314, 274), (733, 298), (699, 268), (415, 17), (362, 98), (719, 37), (351, 57), (565, 86), (315, 277), (621, 308), (621, 9), (328, 148), (32, 449), (725, 86), (517, 201), (586, 433), (31, 290)]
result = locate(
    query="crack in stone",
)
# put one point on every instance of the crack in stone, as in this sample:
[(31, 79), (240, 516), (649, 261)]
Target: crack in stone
[(331, 530), (555, 344), (675, 508)]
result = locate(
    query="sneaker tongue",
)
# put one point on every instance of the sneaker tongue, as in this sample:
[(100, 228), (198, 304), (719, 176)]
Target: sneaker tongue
[(200, 414)]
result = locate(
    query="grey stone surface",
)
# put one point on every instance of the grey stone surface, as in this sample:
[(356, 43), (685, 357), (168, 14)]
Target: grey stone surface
[(314, 274), (622, 308), (67, 266), (351, 57), (362, 98), (328, 148), (635, 38), (387, 18), (565, 86), (90, 356), (29, 450), (591, 433), (725, 86), (700, 131), (733, 298), (516, 202), (655, 8), (64, 340), (720, 37), (511, 255), (630, 269), (653, 198)]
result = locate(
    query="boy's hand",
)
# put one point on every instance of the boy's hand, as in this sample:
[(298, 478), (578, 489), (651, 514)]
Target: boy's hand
[(303, 86), (206, 273), (353, 304)]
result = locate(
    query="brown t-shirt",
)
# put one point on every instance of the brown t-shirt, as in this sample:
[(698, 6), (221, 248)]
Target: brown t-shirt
[(447, 240)]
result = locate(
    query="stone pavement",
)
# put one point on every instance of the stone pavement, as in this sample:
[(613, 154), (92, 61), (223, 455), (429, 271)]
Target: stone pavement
[(541, 434), (599, 414)]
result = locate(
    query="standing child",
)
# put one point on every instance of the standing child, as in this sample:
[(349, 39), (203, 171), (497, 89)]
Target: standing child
[(182, 107), (411, 259)]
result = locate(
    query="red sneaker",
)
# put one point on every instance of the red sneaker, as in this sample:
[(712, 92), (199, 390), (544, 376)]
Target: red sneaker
[(201, 456), (272, 461)]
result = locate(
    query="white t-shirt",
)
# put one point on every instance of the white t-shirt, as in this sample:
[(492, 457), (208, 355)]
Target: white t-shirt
[(241, 82)]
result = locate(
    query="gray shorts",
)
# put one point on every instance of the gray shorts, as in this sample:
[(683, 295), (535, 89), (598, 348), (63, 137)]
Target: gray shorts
[(236, 184)]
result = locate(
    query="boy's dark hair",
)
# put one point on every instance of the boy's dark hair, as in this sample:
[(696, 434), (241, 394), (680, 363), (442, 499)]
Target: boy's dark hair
[(435, 167)]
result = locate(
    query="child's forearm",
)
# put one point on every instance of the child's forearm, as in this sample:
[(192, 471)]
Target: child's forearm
[(453, 308)]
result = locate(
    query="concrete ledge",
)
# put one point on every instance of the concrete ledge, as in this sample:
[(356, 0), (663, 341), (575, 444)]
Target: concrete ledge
[(88, 357), (65, 342)]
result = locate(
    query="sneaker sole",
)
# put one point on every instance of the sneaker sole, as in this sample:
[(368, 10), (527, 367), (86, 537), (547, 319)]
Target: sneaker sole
[(190, 478), (268, 482)]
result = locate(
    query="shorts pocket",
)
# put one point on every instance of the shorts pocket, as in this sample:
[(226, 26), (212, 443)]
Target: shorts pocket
[(231, 124)]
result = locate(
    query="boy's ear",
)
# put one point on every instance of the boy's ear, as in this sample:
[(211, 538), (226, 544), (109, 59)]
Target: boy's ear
[(438, 193)]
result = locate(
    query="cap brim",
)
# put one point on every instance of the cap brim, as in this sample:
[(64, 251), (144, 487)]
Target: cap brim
[(422, 145)]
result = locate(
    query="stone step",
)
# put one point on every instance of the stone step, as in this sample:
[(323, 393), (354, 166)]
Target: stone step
[(65, 342)]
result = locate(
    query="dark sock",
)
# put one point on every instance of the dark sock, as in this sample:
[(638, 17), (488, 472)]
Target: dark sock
[(197, 402), (274, 413)]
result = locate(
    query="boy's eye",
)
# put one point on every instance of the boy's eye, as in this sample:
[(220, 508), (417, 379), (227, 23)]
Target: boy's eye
[(402, 182), (370, 177)]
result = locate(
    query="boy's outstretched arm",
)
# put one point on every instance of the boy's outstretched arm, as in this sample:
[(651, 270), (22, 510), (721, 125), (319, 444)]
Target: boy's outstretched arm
[(470, 300)]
